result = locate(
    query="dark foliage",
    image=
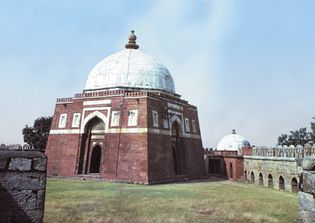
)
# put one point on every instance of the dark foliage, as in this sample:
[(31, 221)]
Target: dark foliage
[(37, 135), (297, 137), (313, 130)]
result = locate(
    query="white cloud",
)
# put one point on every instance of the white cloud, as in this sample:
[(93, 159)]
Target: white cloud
[(190, 49), (225, 59)]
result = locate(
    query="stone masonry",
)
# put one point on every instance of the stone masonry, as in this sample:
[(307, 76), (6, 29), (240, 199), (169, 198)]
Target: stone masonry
[(22, 185), (286, 167), (307, 193)]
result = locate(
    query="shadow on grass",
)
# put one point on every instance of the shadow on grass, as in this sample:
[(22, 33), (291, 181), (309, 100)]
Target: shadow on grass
[(201, 201), (209, 178)]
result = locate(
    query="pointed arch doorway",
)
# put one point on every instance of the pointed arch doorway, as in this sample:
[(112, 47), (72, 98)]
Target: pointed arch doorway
[(178, 150), (95, 159), (91, 147)]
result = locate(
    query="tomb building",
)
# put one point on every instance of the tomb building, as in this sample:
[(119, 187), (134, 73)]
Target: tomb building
[(127, 125)]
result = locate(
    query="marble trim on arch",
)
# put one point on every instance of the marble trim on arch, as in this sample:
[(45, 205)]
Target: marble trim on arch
[(97, 102), (175, 106), (177, 119), (64, 131), (96, 113), (125, 130)]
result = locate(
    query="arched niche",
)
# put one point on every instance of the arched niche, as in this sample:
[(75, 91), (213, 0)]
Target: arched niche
[(178, 150), (94, 134)]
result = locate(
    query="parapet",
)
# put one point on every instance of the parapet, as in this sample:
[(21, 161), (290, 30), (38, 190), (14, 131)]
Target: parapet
[(283, 151)]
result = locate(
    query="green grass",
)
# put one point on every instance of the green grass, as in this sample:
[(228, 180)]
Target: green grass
[(221, 201)]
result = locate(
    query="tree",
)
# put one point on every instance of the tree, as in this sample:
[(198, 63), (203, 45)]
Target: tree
[(313, 130), (37, 135), (283, 140), (297, 137)]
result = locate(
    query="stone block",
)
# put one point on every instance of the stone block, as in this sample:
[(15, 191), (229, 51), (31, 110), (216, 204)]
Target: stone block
[(40, 199), (23, 181), (21, 164), (308, 163), (26, 199), (35, 216), (306, 217), (39, 164), (3, 163), (306, 202), (21, 190), (309, 182)]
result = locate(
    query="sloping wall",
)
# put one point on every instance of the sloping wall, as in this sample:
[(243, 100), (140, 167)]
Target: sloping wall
[(307, 193), (22, 185)]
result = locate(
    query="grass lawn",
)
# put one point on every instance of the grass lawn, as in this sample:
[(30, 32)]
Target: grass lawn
[(220, 201)]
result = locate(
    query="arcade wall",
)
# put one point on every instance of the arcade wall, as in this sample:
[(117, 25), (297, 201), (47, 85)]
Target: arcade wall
[(286, 167)]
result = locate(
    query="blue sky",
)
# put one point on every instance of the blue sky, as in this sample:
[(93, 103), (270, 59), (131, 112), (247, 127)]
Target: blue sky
[(246, 64)]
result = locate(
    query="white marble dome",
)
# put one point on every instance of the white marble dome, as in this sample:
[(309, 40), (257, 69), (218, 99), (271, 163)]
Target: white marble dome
[(130, 68), (232, 142)]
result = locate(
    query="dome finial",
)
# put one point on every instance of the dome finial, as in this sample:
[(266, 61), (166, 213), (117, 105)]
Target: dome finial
[(233, 131), (132, 41)]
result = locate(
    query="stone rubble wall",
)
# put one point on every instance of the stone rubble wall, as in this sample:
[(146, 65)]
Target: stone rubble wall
[(22, 185), (307, 193), (288, 168)]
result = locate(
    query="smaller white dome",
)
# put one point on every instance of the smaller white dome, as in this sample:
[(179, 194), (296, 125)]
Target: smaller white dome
[(232, 142)]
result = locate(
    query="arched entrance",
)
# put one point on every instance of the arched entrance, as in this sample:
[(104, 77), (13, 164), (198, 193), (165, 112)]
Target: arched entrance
[(178, 151), (90, 155), (245, 175), (281, 183), (252, 177), (270, 181), (261, 179), (294, 185), (231, 170), (95, 160)]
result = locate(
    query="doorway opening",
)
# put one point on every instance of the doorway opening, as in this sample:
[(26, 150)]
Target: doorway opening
[(178, 151), (95, 160)]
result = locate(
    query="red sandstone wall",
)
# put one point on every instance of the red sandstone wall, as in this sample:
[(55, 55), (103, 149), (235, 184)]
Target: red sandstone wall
[(247, 151), (126, 156), (61, 152), (238, 167), (160, 158), (127, 162), (69, 109), (133, 157), (62, 149), (161, 167), (196, 163)]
